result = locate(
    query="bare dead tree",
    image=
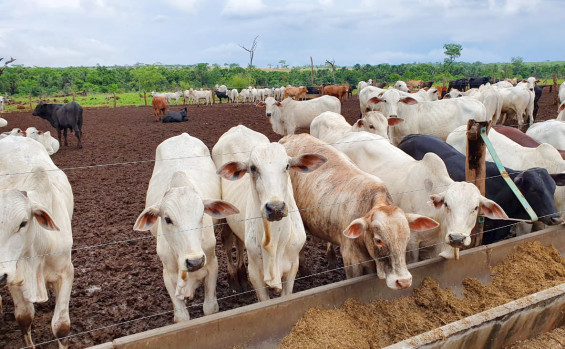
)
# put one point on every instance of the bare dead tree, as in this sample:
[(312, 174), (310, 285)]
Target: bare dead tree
[(332, 64), (312, 70), (251, 51), (6, 64)]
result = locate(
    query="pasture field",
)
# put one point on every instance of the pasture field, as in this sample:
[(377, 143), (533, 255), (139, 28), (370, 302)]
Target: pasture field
[(118, 287)]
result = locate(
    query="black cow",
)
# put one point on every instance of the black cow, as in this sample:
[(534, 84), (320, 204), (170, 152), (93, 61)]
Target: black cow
[(176, 116), (62, 117), (476, 82), (221, 95), (313, 90), (536, 184), (538, 91), (427, 84), (460, 84)]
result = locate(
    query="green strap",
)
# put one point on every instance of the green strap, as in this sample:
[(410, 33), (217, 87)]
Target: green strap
[(506, 177)]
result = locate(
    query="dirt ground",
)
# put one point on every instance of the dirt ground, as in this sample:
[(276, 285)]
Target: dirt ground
[(118, 288)]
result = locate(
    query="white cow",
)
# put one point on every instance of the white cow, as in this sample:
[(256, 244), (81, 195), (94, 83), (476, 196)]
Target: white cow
[(362, 84), (253, 94), (3, 122), (36, 209), (423, 95), (517, 100), (436, 118), (183, 193), (423, 187), (401, 86), (2, 106), (486, 94), (331, 127), (173, 95), (562, 93), (365, 95), (198, 95), (245, 95), (269, 223), (561, 112), (503, 84), (233, 94), (50, 143), (289, 114), (517, 157), (550, 131)]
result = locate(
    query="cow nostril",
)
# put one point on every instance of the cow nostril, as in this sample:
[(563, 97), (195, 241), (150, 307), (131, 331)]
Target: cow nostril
[(404, 283), (3, 277)]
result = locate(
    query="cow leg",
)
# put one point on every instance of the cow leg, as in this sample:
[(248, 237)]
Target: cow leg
[(302, 263), (331, 256), (210, 305), (59, 135), (234, 267), (256, 278), (65, 135), (78, 135), (288, 279), (61, 323), (181, 314), (24, 313)]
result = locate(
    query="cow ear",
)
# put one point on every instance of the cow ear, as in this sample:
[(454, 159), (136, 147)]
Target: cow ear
[(436, 200), (447, 96), (359, 123), (409, 100), (43, 217), (355, 228), (233, 170), (375, 100), (147, 218), (559, 178), (307, 162), (219, 208), (561, 107), (278, 104), (491, 209), (420, 223), (394, 121), (261, 104)]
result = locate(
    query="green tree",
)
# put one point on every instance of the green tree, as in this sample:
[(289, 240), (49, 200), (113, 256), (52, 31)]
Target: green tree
[(452, 51), (518, 63)]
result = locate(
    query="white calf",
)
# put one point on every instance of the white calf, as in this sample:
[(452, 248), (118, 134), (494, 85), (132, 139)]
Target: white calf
[(183, 192), (331, 127)]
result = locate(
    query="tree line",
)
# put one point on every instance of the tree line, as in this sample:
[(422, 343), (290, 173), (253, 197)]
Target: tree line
[(41, 81)]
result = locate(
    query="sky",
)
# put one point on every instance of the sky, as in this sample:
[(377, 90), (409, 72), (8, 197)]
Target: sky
[(61, 33)]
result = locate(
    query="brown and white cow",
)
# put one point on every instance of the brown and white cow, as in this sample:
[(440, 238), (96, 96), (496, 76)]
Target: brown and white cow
[(159, 107), (343, 205)]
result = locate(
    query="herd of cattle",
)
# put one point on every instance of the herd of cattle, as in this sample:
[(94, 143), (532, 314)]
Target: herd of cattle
[(383, 189)]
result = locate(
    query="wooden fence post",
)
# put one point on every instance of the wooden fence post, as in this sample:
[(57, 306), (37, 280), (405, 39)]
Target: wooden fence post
[(30, 107), (145, 98), (114, 99), (475, 168), (74, 97), (556, 90)]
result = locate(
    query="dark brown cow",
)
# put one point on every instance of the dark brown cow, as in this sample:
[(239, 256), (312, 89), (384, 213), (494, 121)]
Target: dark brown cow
[(521, 138), (159, 107)]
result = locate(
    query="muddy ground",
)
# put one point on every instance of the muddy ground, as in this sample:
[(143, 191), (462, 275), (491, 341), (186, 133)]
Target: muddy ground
[(118, 288)]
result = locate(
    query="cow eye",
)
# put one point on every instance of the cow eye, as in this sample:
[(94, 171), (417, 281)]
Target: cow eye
[(379, 242), (253, 168), (22, 224), (168, 220), (445, 204), (476, 208), (287, 167), (372, 127)]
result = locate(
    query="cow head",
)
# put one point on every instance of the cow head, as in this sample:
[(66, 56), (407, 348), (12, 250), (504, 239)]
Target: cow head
[(21, 219), (538, 187), (268, 166), (179, 216), (458, 208), (271, 105), (390, 100), (385, 232), (373, 122)]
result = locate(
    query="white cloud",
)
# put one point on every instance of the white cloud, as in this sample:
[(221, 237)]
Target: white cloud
[(190, 6), (243, 8)]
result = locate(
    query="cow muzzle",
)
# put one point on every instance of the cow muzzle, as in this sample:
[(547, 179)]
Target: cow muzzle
[(402, 283), (194, 264), (458, 240), (552, 220), (268, 115), (275, 211)]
